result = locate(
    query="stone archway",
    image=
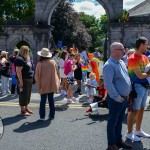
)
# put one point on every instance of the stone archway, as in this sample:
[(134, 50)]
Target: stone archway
[(45, 8)]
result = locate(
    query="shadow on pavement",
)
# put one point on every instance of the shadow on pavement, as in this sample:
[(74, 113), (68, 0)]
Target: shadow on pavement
[(28, 126), (100, 118), (59, 98), (79, 119), (8, 98), (13, 119), (136, 145), (62, 107), (83, 99)]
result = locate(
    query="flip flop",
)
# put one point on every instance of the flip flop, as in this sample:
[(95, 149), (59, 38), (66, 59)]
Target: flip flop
[(25, 114)]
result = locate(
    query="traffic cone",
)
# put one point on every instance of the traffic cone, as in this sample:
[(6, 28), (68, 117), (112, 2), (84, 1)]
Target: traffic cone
[(94, 107)]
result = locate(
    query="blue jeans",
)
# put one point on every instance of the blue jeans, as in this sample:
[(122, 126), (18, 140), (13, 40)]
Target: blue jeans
[(5, 84), (116, 117), (51, 105), (140, 101)]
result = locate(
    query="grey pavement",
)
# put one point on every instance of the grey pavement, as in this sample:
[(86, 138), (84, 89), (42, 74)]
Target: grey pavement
[(71, 129)]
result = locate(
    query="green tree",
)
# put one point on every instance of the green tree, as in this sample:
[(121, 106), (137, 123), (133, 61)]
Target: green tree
[(93, 27), (16, 10), (68, 28)]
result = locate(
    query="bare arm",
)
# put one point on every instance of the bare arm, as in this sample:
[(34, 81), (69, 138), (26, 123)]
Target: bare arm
[(19, 75), (91, 85), (141, 75)]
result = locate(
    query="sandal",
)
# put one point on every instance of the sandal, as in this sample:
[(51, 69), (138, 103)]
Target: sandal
[(29, 111), (24, 113)]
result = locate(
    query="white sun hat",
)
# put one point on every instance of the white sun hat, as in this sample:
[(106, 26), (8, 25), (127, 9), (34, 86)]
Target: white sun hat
[(3, 52), (44, 53)]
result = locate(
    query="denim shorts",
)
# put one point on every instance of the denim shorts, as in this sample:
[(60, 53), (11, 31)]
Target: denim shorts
[(140, 101)]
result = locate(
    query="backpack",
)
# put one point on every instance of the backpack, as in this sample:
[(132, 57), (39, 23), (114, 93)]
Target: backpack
[(67, 67)]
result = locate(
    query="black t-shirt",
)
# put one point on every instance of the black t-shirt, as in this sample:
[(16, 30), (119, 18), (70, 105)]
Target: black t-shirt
[(27, 72), (12, 59)]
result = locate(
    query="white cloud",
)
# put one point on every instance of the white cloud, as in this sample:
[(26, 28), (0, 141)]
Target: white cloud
[(90, 8), (128, 4)]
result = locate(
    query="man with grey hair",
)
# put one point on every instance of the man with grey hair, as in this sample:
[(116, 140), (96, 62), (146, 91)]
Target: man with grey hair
[(118, 86)]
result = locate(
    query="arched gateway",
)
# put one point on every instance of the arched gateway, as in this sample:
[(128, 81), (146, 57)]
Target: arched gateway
[(37, 32), (45, 8)]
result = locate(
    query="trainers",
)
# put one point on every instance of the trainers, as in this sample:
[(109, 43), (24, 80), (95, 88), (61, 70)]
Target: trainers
[(73, 98), (8, 92), (133, 137), (70, 101), (141, 133)]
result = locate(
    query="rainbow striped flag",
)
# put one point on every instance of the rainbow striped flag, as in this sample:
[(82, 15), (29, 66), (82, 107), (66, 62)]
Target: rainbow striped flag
[(96, 59), (84, 68)]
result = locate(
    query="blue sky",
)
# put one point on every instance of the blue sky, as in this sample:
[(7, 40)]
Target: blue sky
[(90, 8)]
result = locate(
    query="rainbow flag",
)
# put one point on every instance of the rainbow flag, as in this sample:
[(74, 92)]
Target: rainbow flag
[(84, 68), (96, 59)]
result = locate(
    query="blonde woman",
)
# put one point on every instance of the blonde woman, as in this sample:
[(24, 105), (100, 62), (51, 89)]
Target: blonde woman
[(25, 79)]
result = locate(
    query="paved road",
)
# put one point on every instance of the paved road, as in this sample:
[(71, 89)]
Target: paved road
[(71, 129)]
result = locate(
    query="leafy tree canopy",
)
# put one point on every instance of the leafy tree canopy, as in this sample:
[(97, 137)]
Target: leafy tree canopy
[(68, 28)]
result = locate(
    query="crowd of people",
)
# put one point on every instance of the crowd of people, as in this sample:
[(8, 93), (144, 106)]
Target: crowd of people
[(69, 66), (123, 73)]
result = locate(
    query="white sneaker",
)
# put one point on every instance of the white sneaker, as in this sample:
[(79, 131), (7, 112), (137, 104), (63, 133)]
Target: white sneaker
[(70, 101), (133, 137), (73, 98), (8, 92), (141, 133)]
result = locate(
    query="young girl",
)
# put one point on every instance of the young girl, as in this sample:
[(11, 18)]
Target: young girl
[(90, 90), (63, 77), (70, 79), (78, 73)]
